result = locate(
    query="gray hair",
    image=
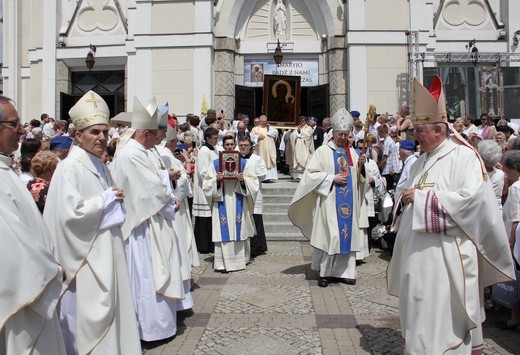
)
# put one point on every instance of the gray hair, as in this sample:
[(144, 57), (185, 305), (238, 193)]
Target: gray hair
[(459, 120), (490, 152), (511, 160), (502, 122), (4, 100), (348, 128)]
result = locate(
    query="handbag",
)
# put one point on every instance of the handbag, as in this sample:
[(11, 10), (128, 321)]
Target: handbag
[(508, 293), (386, 207)]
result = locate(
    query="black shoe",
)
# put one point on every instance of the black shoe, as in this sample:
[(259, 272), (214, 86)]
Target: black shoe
[(348, 281), (323, 282)]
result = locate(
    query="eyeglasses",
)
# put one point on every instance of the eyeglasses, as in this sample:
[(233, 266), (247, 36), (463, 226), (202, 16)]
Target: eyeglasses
[(15, 124)]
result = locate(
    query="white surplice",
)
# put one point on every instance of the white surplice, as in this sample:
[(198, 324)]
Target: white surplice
[(302, 148), (266, 148), (31, 277), (182, 224), (84, 220), (313, 210), (154, 259), (231, 253), (451, 244)]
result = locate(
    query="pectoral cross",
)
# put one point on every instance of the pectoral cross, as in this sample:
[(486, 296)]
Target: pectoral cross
[(422, 182)]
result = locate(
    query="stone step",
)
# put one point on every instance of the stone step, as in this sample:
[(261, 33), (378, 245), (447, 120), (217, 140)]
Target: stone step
[(275, 208), (278, 191), (270, 217), (281, 227), (285, 237), (280, 199)]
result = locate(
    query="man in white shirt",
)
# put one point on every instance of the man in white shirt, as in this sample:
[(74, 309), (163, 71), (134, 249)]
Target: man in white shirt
[(407, 156)]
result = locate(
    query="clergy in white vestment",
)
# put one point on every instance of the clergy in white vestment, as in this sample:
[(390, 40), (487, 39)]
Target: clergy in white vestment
[(302, 144), (451, 241), (201, 209), (182, 190), (153, 256), (265, 137), (31, 276), (327, 128), (285, 149), (232, 203), (375, 190), (84, 214), (182, 241), (329, 205), (256, 165)]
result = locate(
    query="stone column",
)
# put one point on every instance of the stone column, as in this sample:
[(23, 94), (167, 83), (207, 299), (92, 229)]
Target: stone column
[(224, 76), (338, 94)]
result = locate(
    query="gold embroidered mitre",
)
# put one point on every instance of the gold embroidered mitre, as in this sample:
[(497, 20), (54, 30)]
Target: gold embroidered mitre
[(429, 105), (90, 110), (342, 120), (145, 117)]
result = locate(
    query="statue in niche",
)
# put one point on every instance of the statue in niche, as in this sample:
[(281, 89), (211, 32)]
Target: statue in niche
[(280, 19)]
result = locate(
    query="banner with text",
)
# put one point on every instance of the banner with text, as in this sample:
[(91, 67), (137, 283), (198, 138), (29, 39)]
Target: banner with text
[(254, 70)]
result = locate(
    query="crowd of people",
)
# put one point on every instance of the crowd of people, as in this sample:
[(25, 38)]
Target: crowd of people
[(104, 219)]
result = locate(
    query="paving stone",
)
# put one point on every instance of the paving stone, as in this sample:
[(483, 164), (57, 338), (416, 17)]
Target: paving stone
[(242, 298), (276, 307), (333, 321), (259, 341)]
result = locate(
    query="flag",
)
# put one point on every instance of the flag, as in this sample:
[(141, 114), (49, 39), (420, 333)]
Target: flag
[(205, 106)]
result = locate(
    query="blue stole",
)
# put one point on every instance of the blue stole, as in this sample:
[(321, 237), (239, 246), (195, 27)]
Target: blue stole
[(222, 212), (344, 203)]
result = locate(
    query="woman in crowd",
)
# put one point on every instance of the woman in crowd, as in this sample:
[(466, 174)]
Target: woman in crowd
[(486, 130), (491, 154), (43, 165), (500, 138), (28, 149), (511, 215)]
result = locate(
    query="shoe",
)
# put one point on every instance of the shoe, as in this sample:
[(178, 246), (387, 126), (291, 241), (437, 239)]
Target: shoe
[(348, 281), (323, 282)]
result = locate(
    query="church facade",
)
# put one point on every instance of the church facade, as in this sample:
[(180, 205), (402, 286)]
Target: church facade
[(346, 53)]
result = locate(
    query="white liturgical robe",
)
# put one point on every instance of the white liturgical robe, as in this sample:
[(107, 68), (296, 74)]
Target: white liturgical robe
[(315, 208), (451, 243), (153, 257), (232, 204), (97, 313), (182, 190), (266, 148), (302, 147), (31, 277)]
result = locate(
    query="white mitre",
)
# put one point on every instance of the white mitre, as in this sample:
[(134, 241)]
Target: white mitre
[(145, 117), (342, 120), (429, 105), (163, 115), (171, 129), (90, 110)]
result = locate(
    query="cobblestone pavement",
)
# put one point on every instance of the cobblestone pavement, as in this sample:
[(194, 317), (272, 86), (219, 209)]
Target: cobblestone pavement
[(276, 307)]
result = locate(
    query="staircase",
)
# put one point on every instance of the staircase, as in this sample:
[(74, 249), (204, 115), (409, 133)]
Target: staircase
[(277, 198)]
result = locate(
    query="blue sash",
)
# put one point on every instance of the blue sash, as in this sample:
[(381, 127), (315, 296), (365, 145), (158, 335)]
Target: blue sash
[(222, 212), (344, 203)]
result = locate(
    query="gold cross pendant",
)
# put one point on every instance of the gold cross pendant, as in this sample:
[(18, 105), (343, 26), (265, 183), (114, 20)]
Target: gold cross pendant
[(422, 182)]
